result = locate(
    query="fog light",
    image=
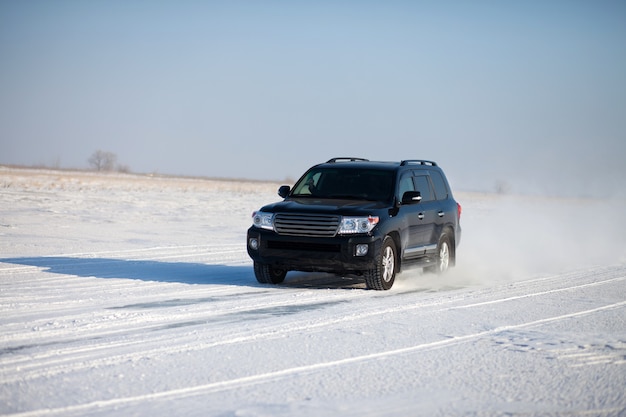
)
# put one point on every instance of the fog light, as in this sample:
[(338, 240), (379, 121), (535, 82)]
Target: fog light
[(361, 249), (253, 243)]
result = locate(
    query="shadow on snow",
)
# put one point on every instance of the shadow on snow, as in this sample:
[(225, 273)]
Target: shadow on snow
[(178, 272), (145, 270)]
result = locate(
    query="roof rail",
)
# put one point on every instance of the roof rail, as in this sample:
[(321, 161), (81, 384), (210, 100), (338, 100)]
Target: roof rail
[(418, 161), (351, 159)]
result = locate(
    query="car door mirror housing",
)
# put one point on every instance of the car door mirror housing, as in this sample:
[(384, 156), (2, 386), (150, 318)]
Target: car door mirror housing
[(283, 191), (411, 197)]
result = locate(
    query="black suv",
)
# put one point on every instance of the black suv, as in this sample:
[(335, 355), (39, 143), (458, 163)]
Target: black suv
[(357, 217)]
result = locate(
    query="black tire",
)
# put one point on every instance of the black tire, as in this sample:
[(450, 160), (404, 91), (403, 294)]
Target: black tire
[(267, 274), (383, 276), (445, 256)]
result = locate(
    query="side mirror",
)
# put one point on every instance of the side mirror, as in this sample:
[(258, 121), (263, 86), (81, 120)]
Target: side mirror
[(411, 197), (284, 190)]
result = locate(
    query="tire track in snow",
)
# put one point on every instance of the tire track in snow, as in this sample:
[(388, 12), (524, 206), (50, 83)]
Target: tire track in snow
[(376, 311), (520, 287), (55, 361), (236, 383), (66, 360)]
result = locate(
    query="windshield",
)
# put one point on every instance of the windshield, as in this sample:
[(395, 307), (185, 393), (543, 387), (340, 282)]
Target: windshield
[(346, 183)]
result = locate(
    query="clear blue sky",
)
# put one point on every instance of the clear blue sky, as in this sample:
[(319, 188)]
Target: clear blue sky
[(532, 93)]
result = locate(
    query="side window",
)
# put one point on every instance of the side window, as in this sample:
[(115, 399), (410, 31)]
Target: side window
[(406, 184), (441, 190), (423, 186)]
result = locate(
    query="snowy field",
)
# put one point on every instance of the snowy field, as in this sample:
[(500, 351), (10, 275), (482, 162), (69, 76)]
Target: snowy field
[(133, 295)]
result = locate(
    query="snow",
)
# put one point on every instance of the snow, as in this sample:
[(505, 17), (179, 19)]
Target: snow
[(133, 295)]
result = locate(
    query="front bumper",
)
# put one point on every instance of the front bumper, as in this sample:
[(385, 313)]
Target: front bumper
[(329, 254)]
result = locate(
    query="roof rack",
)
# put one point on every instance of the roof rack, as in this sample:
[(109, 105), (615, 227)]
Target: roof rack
[(418, 161), (351, 159)]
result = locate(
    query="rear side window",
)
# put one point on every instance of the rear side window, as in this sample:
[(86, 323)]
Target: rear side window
[(423, 186), (441, 190)]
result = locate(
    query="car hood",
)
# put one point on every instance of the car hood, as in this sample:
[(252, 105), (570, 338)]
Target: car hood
[(326, 206)]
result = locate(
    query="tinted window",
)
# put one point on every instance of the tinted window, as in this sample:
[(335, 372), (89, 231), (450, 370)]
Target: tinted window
[(423, 186), (441, 190)]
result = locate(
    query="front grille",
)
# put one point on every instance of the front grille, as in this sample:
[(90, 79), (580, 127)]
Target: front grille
[(317, 225)]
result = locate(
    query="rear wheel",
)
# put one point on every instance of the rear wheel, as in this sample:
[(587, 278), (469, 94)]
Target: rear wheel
[(267, 274), (383, 276), (445, 256)]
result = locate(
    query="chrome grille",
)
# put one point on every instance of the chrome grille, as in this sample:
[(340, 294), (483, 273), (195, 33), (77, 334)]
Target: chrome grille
[(318, 225)]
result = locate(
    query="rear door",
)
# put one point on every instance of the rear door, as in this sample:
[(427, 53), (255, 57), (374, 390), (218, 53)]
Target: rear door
[(445, 208)]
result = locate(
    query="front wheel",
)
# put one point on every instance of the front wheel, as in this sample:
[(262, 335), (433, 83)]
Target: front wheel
[(383, 276), (267, 274), (445, 256)]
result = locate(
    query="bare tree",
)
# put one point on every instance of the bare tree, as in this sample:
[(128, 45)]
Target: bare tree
[(103, 161)]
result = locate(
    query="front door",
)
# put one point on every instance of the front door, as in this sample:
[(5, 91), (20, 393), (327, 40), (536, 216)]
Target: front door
[(420, 217)]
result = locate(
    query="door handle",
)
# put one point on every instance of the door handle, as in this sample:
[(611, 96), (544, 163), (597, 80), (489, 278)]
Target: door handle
[(420, 216), (440, 214)]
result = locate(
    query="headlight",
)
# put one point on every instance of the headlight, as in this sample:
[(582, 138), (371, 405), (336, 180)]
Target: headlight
[(263, 220), (351, 225)]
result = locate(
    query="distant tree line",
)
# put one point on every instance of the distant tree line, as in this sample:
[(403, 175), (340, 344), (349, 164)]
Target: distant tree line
[(106, 161)]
